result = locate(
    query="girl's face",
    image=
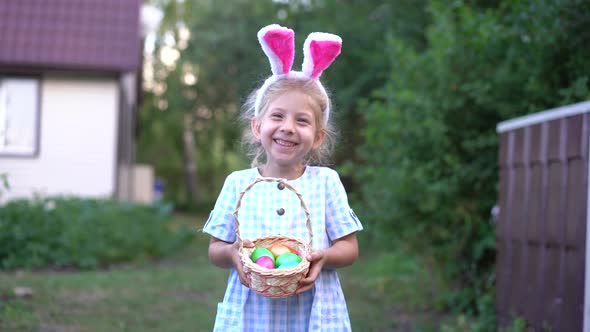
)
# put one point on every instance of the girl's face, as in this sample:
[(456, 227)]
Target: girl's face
[(288, 130)]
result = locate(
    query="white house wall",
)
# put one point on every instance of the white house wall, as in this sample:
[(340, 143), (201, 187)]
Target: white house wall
[(78, 136)]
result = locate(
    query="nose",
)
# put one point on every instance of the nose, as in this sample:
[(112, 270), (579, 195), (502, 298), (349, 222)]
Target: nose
[(288, 125)]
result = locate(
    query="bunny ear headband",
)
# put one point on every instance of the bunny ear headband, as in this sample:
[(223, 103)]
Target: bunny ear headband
[(278, 43)]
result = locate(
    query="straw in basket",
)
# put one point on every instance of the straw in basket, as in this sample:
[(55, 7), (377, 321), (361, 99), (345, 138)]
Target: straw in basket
[(275, 282)]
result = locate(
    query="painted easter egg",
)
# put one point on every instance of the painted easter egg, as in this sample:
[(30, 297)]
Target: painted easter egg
[(261, 252), (286, 258), (288, 264), (279, 249), (266, 262)]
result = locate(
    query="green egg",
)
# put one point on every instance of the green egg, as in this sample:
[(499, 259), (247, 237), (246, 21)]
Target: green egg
[(259, 252), (288, 264), (287, 257)]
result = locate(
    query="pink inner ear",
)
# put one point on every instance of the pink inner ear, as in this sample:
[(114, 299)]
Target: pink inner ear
[(323, 53), (281, 42)]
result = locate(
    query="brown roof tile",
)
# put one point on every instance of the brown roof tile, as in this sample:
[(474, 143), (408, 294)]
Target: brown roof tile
[(96, 35)]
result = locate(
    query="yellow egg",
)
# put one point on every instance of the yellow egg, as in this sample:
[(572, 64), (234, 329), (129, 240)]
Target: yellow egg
[(279, 249)]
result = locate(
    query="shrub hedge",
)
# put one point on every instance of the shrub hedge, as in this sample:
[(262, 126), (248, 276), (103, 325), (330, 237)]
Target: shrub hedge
[(429, 175), (83, 233)]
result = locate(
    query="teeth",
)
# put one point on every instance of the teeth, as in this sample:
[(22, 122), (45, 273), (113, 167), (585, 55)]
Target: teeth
[(284, 143)]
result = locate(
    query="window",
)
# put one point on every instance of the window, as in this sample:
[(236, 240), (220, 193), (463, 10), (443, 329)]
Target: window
[(19, 116)]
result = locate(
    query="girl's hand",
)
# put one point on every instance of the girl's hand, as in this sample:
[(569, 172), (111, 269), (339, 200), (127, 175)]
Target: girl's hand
[(317, 260), (237, 262), (227, 255), (343, 252)]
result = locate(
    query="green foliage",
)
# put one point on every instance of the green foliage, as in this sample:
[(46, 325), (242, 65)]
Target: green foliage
[(84, 233), (384, 291), (224, 53), (362, 66), (462, 323), (418, 91), (429, 145)]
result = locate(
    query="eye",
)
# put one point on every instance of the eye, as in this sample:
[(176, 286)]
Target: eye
[(276, 115), (304, 120)]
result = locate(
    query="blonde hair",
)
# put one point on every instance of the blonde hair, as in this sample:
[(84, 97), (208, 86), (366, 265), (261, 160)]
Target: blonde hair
[(253, 146)]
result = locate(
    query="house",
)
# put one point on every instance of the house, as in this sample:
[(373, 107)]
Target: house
[(70, 73)]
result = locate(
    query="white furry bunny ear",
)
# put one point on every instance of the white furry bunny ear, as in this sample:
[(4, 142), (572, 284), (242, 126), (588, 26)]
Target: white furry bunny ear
[(319, 51), (278, 43)]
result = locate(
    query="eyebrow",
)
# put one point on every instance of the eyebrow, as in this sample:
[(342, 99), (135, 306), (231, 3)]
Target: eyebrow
[(277, 109), (310, 113), (305, 114)]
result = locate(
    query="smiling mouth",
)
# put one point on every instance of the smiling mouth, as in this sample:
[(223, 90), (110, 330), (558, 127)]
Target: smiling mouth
[(284, 143)]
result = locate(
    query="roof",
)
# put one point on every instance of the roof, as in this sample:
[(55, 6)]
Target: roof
[(88, 35)]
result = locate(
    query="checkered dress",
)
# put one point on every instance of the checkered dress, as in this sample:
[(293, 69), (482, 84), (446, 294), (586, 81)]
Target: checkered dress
[(321, 309)]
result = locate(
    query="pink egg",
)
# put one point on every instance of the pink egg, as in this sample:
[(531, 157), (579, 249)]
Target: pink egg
[(265, 262)]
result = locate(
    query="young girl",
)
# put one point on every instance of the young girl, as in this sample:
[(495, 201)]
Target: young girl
[(290, 129)]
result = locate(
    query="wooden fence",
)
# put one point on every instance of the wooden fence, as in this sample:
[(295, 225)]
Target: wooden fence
[(541, 229)]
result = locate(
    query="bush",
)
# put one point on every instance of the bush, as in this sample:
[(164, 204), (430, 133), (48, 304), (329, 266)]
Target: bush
[(436, 118), (83, 233)]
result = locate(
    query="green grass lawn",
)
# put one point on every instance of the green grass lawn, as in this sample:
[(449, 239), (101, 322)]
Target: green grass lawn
[(386, 291)]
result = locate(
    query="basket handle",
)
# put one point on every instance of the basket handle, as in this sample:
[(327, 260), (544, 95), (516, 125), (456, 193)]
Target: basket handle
[(288, 186)]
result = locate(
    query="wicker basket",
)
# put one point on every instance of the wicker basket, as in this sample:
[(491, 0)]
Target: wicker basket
[(275, 282)]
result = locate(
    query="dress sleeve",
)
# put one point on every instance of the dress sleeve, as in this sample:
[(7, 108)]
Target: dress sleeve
[(340, 219), (221, 221)]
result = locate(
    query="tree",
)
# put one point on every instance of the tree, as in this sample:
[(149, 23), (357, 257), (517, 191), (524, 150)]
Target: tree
[(436, 116), (194, 106)]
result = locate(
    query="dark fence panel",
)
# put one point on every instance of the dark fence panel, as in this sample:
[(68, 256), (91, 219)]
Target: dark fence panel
[(541, 230)]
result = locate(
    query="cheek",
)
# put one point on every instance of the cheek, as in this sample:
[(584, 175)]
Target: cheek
[(265, 133)]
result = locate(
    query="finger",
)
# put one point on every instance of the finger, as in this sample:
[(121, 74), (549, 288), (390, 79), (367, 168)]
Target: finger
[(303, 289), (315, 256), (306, 283), (248, 243), (312, 275), (243, 277)]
